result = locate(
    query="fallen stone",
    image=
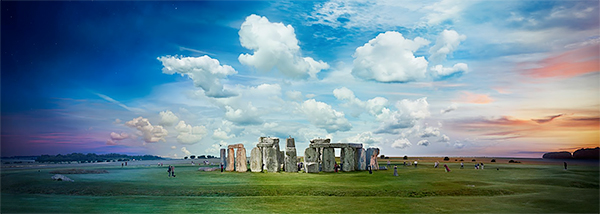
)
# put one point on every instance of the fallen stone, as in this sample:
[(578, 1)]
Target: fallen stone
[(59, 177), (256, 160)]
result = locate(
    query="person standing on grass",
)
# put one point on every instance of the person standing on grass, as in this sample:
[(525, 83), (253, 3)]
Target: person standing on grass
[(169, 170), (396, 171), (446, 168), (173, 171), (462, 165), (416, 163), (388, 162), (481, 166), (565, 163), (370, 170)]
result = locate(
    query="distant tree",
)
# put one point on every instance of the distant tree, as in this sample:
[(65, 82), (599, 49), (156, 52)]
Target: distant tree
[(202, 157), (473, 160), (210, 156), (405, 157), (462, 159), (455, 159), (382, 156), (446, 158), (192, 156), (493, 160), (185, 157)]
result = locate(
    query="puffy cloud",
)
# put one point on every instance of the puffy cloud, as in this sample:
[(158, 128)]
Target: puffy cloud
[(407, 115), (444, 139), (402, 143), (364, 138), (206, 72), (374, 106), (389, 57), (294, 95), (323, 116), (444, 10), (219, 134), (214, 149), (117, 121), (167, 118), (247, 116), (441, 71), (430, 132), (423, 143), (150, 133), (450, 108), (275, 46), (173, 147), (111, 142), (189, 134), (185, 151), (445, 44), (115, 136), (458, 145)]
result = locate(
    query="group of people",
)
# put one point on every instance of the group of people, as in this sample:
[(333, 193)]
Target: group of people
[(479, 166), (171, 171)]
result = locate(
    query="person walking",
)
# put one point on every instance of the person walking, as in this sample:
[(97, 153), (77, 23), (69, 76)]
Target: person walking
[(446, 168), (370, 170), (169, 170), (462, 165), (396, 171), (565, 163), (415, 163), (173, 171)]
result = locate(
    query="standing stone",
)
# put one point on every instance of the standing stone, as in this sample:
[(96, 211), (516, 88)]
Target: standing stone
[(362, 159), (311, 167), (223, 157), (290, 142), (272, 162), (310, 160), (290, 160), (373, 162), (240, 163), (348, 159), (230, 160), (280, 159), (328, 160), (368, 156), (310, 155), (256, 160)]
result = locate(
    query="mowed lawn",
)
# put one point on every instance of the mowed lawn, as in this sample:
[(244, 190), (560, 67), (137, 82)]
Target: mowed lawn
[(513, 188)]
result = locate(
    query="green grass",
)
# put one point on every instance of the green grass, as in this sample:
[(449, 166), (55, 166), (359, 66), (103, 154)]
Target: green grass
[(515, 188)]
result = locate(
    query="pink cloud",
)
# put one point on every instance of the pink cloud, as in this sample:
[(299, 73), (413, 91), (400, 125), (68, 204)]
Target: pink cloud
[(468, 97), (571, 63)]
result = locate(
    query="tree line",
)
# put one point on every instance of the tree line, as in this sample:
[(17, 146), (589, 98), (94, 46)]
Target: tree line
[(92, 157)]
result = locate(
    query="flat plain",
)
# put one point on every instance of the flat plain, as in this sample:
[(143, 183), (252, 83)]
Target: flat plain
[(532, 186)]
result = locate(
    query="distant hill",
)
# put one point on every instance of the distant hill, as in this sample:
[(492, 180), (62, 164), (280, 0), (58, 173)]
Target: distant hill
[(584, 153)]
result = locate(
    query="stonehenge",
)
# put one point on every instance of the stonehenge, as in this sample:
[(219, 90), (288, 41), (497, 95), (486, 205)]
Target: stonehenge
[(237, 162), (318, 156)]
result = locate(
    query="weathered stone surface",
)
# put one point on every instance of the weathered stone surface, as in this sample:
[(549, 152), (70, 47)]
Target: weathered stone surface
[(281, 159), (291, 165), (320, 141), (362, 159), (328, 160), (223, 157), (290, 142), (230, 160), (373, 159), (256, 160), (311, 167), (310, 155), (272, 162), (347, 159), (234, 146), (240, 160), (59, 177)]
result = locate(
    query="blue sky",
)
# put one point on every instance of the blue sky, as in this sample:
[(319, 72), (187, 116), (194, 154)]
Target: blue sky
[(494, 78)]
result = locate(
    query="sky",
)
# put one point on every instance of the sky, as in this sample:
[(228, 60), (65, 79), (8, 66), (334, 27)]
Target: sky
[(417, 78)]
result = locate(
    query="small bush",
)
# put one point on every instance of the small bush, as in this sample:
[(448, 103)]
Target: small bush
[(446, 158), (493, 161), (382, 156), (473, 160), (405, 157)]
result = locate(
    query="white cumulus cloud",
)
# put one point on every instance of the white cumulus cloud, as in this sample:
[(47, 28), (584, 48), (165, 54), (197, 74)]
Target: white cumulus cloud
[(389, 57), (430, 132), (275, 46), (402, 143), (150, 133), (441, 71), (167, 118), (243, 116), (450, 108), (373, 106), (423, 143), (323, 116), (407, 115), (365, 138), (220, 134), (189, 134), (185, 151), (205, 72)]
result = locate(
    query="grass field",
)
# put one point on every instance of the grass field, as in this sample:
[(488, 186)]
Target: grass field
[(536, 187)]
